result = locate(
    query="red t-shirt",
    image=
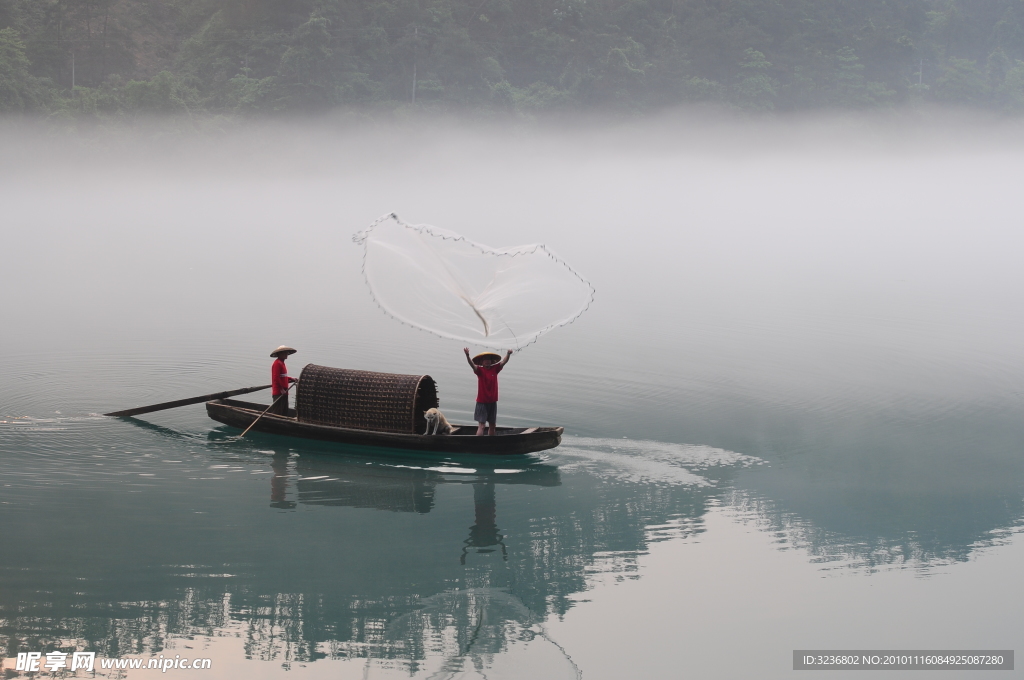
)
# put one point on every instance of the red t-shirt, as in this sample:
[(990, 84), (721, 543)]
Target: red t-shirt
[(487, 383), (278, 377)]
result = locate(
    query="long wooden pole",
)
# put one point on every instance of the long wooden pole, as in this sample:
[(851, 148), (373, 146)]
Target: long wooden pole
[(279, 398), (183, 402)]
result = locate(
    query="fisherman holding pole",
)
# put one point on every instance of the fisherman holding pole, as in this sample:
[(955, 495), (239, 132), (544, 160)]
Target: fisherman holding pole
[(280, 381)]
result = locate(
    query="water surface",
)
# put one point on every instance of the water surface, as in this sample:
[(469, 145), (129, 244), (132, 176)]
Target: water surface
[(793, 414)]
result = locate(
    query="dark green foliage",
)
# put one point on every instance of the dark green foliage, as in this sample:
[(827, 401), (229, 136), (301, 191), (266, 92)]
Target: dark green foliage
[(248, 56), (16, 86), (960, 83), (756, 90)]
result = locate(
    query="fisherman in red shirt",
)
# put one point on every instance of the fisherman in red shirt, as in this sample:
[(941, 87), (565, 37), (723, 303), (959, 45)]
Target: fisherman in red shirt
[(487, 366), (280, 381)]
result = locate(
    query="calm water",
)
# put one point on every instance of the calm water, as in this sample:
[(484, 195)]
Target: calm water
[(793, 415)]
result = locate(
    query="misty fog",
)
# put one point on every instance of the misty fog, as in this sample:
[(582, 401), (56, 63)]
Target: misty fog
[(833, 299), (819, 254)]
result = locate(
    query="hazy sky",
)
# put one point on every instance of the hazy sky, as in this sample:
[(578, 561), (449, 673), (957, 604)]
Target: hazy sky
[(788, 249)]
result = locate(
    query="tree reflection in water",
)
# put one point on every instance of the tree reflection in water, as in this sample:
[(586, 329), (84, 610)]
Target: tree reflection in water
[(483, 630), (324, 552), (480, 628), (418, 562)]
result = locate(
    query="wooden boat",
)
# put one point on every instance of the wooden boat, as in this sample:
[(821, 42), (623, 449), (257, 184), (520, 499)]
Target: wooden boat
[(506, 442), (376, 409)]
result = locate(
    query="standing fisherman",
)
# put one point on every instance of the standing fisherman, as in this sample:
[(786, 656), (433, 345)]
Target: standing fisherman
[(487, 366), (280, 381)]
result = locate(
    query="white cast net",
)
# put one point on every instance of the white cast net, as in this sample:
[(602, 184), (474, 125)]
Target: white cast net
[(441, 282)]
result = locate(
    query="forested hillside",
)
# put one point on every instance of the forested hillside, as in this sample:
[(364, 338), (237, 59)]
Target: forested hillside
[(111, 58)]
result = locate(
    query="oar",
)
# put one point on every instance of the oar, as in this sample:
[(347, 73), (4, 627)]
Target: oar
[(279, 398), (184, 402)]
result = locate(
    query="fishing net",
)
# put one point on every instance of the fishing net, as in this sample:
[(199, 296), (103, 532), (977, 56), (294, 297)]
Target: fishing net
[(444, 283)]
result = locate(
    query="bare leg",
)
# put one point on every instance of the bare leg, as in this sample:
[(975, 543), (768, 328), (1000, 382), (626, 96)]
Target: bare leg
[(480, 429), (491, 429)]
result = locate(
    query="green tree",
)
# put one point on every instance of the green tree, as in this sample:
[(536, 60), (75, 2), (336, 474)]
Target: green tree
[(852, 89), (271, 55), (19, 91), (960, 83), (621, 76), (756, 89), (996, 68), (245, 94), (1013, 87), (306, 66), (162, 94)]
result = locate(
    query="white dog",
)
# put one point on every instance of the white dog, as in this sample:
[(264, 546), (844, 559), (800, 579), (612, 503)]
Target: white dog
[(436, 418)]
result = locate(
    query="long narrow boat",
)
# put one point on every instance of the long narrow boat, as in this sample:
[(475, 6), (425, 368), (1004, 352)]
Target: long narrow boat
[(507, 441), (375, 409)]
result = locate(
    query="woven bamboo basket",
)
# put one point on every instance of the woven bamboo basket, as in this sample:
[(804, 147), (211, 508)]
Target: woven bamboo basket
[(364, 400)]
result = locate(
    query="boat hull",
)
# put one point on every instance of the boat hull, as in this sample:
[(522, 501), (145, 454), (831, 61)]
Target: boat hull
[(509, 441)]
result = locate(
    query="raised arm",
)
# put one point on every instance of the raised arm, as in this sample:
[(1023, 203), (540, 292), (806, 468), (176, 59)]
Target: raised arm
[(468, 360), (507, 357)]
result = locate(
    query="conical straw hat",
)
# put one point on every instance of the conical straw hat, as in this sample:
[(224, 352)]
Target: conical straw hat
[(484, 355), (283, 349)]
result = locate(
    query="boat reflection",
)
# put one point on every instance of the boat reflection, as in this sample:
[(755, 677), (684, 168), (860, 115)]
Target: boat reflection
[(400, 487), (483, 619), (396, 484)]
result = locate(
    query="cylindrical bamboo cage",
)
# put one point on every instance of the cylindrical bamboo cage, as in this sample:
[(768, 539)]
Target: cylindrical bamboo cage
[(364, 400)]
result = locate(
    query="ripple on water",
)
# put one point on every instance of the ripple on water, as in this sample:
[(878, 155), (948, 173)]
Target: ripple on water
[(97, 381), (649, 462), (89, 452)]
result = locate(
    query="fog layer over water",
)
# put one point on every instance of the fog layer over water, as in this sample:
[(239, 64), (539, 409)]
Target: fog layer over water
[(805, 342)]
